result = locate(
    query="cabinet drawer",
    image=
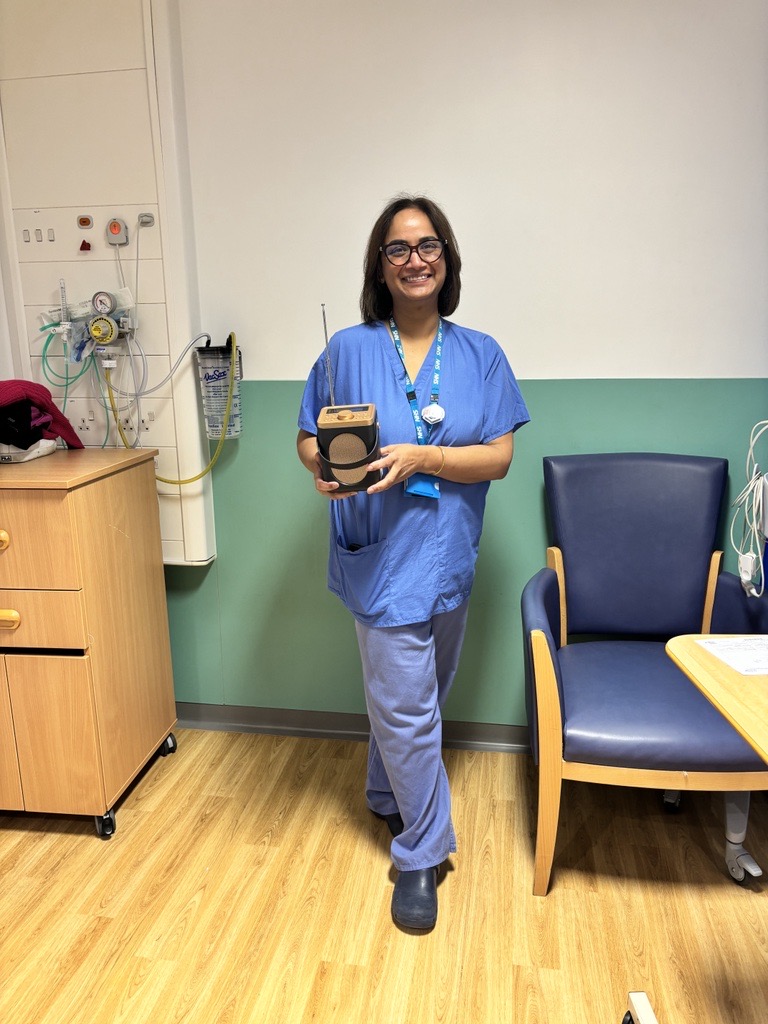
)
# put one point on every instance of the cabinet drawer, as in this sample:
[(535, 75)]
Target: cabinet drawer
[(56, 735), (42, 619), (38, 545)]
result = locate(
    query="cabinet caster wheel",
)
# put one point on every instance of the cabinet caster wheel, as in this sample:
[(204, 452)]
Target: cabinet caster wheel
[(106, 826), (169, 745)]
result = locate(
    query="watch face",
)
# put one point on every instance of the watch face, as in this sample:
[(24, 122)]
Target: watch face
[(103, 302)]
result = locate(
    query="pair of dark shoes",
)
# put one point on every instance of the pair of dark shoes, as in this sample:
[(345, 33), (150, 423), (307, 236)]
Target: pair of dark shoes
[(414, 901)]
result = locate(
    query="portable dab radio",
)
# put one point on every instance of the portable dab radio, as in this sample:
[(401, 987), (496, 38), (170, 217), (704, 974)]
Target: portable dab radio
[(348, 440)]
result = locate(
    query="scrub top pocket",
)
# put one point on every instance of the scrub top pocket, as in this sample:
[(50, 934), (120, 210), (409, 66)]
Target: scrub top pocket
[(365, 579)]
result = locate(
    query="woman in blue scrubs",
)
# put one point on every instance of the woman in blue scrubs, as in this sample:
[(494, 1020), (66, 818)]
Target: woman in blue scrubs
[(402, 553)]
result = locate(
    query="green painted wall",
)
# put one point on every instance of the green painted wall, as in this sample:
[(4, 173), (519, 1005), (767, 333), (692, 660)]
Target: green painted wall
[(258, 627)]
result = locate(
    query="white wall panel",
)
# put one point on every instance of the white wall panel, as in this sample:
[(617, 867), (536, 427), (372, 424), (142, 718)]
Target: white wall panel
[(79, 140), (39, 38), (170, 523), (6, 359), (41, 280), (604, 164)]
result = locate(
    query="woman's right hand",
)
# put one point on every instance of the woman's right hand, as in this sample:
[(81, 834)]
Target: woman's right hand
[(306, 445), (328, 487)]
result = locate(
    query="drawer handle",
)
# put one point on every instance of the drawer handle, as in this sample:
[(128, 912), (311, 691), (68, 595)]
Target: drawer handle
[(5, 540), (9, 618)]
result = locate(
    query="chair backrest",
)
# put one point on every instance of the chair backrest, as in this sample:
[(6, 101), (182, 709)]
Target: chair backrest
[(637, 531)]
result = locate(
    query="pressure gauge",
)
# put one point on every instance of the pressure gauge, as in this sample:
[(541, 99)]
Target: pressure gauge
[(103, 302)]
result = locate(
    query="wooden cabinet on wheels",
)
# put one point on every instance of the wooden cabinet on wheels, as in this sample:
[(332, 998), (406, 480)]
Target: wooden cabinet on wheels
[(86, 685)]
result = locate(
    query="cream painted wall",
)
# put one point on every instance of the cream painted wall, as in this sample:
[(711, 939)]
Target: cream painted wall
[(604, 163)]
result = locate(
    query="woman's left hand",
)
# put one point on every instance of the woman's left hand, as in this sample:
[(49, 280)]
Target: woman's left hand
[(398, 462), (465, 464)]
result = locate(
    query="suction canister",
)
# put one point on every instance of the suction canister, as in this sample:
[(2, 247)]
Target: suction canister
[(214, 367)]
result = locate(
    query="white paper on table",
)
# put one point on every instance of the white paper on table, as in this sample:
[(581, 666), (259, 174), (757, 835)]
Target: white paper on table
[(746, 654)]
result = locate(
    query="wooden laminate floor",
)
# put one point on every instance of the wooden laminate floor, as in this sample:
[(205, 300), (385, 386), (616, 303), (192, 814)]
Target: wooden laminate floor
[(248, 883)]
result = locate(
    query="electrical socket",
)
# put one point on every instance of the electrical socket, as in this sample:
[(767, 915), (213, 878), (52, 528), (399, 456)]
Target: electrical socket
[(96, 427), (154, 424), (90, 420), (143, 427)]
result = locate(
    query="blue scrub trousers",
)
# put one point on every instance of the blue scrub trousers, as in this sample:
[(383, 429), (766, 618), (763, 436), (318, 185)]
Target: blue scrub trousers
[(407, 673)]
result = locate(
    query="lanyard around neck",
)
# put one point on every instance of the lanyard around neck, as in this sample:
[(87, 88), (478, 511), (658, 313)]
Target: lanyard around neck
[(422, 436)]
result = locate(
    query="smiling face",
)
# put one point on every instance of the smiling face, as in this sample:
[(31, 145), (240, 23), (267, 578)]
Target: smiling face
[(417, 282)]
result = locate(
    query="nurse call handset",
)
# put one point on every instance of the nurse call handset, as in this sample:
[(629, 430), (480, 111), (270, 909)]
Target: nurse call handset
[(347, 438)]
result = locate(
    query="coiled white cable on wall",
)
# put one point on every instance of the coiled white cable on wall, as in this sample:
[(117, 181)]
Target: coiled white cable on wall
[(749, 506)]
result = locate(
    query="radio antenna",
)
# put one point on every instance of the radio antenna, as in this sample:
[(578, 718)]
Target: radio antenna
[(328, 356)]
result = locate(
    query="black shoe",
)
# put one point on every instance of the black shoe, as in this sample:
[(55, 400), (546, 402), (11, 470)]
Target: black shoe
[(394, 822), (414, 901)]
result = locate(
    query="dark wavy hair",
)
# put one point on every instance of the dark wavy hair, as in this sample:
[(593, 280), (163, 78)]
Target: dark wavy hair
[(375, 299)]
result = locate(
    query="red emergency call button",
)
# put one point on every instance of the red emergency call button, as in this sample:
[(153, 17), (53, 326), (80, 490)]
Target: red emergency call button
[(117, 232)]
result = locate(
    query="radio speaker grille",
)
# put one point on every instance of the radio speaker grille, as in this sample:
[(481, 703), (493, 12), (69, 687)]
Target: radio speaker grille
[(347, 448)]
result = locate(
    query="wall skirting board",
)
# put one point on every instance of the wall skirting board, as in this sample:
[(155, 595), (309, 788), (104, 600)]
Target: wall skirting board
[(510, 739)]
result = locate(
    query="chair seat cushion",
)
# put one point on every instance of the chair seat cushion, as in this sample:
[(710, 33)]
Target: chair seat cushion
[(626, 704)]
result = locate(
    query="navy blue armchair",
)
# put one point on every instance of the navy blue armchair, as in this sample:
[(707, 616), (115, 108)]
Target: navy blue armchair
[(632, 563)]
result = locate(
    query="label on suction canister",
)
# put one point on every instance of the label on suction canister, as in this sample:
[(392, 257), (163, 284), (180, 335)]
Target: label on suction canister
[(214, 365)]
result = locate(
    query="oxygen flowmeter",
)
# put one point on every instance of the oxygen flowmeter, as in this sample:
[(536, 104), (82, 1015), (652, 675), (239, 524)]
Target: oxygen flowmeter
[(103, 329)]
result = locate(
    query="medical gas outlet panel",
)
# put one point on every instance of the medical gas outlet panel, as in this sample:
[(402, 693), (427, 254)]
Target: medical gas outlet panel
[(96, 216), (96, 324)]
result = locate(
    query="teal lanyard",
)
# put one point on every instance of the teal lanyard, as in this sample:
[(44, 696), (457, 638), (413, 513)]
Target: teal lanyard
[(422, 435)]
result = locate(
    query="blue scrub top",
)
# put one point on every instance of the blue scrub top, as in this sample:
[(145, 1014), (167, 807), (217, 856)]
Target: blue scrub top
[(416, 555)]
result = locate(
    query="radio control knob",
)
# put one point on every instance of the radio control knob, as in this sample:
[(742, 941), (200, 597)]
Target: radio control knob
[(345, 414)]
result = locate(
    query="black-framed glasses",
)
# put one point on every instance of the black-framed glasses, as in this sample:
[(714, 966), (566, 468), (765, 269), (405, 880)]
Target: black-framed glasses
[(429, 249)]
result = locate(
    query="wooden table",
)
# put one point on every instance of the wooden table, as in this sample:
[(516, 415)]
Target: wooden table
[(741, 698)]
